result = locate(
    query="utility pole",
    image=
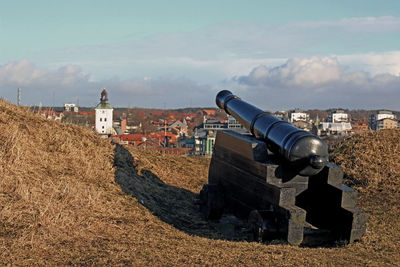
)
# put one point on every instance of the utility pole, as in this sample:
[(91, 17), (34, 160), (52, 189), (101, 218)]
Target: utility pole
[(19, 97), (165, 132), (165, 127)]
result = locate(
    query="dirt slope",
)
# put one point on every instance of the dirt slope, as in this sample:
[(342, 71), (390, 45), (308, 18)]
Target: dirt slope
[(67, 197)]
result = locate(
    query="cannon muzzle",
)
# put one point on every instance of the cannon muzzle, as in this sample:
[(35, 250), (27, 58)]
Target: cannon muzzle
[(303, 151)]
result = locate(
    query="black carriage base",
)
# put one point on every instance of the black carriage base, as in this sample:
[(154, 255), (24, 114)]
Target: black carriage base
[(247, 180)]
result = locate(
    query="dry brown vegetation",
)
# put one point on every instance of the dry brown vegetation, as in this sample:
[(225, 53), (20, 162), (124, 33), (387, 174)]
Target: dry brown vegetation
[(371, 162), (68, 197)]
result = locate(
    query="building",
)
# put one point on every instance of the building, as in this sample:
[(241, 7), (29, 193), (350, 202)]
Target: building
[(123, 123), (70, 107), (154, 139), (120, 125), (338, 116), (335, 128), (283, 115), (387, 123), (233, 123), (52, 115), (375, 120), (180, 128), (298, 115), (209, 112), (205, 134), (187, 143), (304, 125), (204, 141), (104, 115), (229, 124), (337, 123), (360, 126), (210, 124)]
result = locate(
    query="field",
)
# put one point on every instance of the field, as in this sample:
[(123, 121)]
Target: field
[(68, 197)]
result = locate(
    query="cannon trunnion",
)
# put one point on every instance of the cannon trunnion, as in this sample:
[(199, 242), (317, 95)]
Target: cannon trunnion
[(277, 199)]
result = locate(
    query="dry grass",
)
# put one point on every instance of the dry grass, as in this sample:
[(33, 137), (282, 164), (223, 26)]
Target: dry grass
[(60, 204), (371, 162)]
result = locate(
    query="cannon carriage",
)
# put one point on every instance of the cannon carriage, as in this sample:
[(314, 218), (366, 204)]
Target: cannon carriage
[(278, 178)]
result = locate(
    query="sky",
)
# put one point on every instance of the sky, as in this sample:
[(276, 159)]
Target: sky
[(179, 53)]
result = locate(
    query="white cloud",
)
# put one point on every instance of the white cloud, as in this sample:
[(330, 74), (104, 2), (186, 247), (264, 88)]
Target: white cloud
[(374, 63), (69, 83), (301, 72), (320, 82), (26, 73)]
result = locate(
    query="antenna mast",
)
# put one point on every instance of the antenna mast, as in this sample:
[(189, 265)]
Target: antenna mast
[(19, 97)]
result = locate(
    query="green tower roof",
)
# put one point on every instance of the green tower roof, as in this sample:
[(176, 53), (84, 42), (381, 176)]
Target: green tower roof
[(104, 106)]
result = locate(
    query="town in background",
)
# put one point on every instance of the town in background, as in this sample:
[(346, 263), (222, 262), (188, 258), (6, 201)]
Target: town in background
[(192, 131)]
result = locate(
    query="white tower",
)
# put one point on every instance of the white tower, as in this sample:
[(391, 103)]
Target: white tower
[(104, 115)]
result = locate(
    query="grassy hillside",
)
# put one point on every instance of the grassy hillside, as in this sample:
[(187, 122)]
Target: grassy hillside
[(68, 197)]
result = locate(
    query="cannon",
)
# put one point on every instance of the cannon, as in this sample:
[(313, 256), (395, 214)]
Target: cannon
[(279, 180), (303, 151)]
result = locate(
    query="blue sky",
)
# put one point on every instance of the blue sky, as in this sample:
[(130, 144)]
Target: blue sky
[(308, 54)]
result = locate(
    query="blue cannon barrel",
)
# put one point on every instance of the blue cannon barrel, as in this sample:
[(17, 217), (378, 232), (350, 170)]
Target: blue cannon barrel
[(303, 151)]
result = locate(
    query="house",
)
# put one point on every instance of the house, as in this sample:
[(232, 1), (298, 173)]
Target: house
[(154, 139), (338, 116), (337, 123), (304, 125), (69, 107), (233, 123), (387, 123), (180, 128), (204, 141), (209, 112), (52, 115), (335, 128), (86, 113), (298, 115), (376, 123), (132, 127), (360, 126), (204, 136), (283, 115), (206, 133), (211, 124), (177, 127), (129, 139), (120, 125), (123, 124), (186, 143)]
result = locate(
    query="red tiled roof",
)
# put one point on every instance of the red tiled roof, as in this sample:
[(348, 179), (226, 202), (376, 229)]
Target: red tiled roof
[(210, 111), (86, 112), (139, 137), (130, 137), (173, 114)]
